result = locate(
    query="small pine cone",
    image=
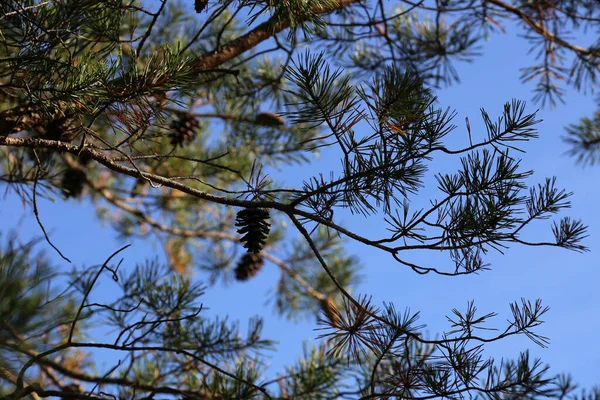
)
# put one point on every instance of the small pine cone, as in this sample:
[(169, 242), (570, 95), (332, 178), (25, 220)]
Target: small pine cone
[(74, 388), (269, 119), (330, 311), (248, 266), (84, 159), (61, 129), (200, 5), (183, 129), (72, 182), (253, 222)]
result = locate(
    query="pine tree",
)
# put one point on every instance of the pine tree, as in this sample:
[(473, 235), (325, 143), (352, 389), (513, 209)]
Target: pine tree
[(193, 106)]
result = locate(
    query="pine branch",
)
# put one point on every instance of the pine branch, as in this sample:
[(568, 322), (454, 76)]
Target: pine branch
[(540, 29)]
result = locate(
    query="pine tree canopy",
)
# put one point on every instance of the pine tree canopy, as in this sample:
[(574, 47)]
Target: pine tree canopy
[(178, 122)]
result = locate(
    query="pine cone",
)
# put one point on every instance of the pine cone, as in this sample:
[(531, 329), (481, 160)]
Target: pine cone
[(74, 388), (200, 5), (61, 129), (269, 119), (72, 182), (330, 311), (183, 129), (253, 222), (249, 265), (84, 159)]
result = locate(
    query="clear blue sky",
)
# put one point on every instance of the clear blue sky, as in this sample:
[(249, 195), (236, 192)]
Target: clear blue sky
[(566, 281)]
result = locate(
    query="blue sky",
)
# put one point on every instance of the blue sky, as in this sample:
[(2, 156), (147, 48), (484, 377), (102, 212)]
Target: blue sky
[(566, 281)]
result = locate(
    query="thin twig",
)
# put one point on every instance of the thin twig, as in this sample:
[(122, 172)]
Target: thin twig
[(89, 289), (37, 214)]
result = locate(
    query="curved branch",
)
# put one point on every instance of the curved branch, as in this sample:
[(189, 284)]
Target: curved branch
[(257, 35), (581, 51)]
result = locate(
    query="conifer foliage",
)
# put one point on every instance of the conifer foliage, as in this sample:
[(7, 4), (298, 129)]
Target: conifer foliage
[(169, 98)]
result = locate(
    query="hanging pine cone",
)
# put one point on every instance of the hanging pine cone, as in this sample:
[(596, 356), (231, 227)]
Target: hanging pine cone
[(183, 129), (248, 266), (269, 119), (84, 159), (72, 182), (62, 129), (330, 311), (200, 5), (74, 388), (253, 222)]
